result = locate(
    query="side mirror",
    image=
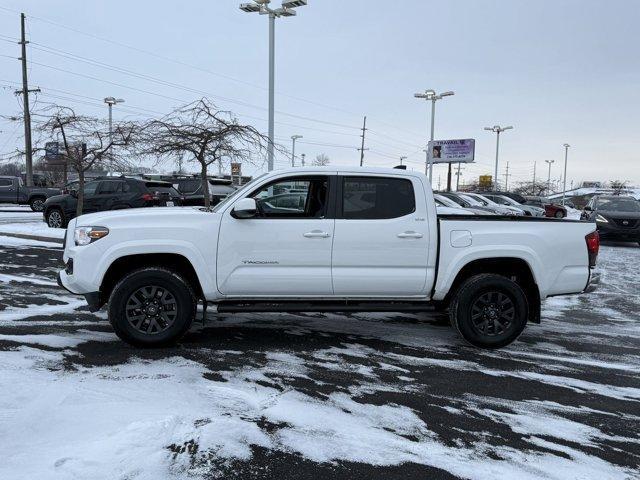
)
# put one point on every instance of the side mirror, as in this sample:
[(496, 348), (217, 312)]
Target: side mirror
[(73, 193), (245, 208), (588, 208)]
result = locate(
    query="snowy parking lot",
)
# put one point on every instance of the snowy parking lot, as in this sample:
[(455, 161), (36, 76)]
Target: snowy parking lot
[(317, 396)]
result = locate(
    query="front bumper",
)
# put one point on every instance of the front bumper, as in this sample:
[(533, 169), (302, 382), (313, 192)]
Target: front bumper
[(613, 232), (94, 299)]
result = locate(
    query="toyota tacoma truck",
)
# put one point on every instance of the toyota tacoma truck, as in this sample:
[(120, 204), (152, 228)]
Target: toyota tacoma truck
[(13, 190), (353, 239)]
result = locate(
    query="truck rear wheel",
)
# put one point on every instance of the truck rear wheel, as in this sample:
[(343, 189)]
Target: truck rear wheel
[(489, 311), (152, 307)]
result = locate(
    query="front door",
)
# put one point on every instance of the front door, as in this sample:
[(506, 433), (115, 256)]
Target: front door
[(285, 250), (90, 201), (381, 242)]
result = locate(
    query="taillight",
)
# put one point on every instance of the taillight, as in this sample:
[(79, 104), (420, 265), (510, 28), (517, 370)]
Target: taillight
[(593, 247), (147, 197)]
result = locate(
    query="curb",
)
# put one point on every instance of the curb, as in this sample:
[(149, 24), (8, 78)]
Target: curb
[(33, 237)]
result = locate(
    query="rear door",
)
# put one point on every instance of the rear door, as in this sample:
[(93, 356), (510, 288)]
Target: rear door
[(284, 251), (91, 202), (381, 242), (8, 190)]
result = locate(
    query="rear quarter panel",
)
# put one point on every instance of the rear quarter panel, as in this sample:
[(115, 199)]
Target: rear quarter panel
[(555, 250)]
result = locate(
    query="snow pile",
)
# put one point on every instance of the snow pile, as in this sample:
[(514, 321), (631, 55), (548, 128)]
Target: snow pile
[(37, 227)]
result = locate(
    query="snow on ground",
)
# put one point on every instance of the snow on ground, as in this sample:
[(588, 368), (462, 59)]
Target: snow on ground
[(26, 222), (318, 396)]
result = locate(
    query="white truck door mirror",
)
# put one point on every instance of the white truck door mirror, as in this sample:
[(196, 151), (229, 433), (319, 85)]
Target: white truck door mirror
[(245, 208)]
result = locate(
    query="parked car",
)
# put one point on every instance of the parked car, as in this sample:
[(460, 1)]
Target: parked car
[(109, 193), (512, 195), (550, 208), (365, 240), (13, 190), (467, 203), (190, 187), (506, 201), (497, 208), (617, 217)]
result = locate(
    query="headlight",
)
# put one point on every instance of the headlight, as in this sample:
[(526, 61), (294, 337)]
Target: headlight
[(601, 219), (86, 235)]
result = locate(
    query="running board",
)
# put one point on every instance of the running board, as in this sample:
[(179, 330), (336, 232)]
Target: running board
[(236, 306)]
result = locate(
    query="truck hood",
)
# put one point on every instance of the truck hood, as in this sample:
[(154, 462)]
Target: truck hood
[(146, 217)]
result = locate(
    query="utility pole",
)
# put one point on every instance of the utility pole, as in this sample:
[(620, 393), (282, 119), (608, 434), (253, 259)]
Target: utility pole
[(362, 149), (293, 149), (27, 115), (534, 173), (506, 179), (549, 177), (438, 182), (303, 155)]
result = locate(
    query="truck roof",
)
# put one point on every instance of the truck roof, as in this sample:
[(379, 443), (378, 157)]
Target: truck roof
[(350, 169)]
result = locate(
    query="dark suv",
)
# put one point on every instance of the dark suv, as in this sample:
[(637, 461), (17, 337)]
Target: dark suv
[(190, 188), (617, 217), (109, 193)]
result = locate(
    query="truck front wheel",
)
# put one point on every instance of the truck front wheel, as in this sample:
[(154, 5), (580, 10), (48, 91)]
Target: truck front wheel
[(489, 311), (152, 307), (37, 204)]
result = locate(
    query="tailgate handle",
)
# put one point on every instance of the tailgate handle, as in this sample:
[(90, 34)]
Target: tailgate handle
[(410, 234)]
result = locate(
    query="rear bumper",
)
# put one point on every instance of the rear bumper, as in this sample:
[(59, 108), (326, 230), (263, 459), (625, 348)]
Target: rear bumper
[(592, 283)]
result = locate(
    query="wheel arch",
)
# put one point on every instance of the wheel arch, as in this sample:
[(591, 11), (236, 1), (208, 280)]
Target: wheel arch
[(128, 263), (514, 268)]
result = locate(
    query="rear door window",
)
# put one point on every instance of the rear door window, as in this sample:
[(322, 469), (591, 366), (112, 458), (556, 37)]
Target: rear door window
[(370, 198), (161, 188), (188, 186)]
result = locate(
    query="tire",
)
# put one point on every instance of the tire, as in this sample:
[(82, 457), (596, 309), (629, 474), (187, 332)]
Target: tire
[(37, 204), (475, 311), (559, 214), (151, 324), (55, 218)]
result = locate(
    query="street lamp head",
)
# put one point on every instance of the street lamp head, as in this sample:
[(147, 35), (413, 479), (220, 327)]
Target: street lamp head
[(250, 7), (489, 128), (447, 94), (295, 137), (508, 128), (294, 3), (284, 12), (113, 100), (566, 145)]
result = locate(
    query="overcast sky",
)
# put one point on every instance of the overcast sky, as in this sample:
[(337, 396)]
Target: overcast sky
[(557, 70)]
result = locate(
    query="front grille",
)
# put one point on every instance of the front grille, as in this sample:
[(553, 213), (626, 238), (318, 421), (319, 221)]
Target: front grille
[(626, 222)]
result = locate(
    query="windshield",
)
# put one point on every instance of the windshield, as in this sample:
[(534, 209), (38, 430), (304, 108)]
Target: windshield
[(447, 202), (618, 204), (237, 193), (471, 200)]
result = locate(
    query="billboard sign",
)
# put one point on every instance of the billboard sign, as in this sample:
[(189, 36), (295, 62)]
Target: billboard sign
[(452, 151), (236, 169), (51, 150)]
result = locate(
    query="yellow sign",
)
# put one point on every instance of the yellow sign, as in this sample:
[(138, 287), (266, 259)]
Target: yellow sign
[(485, 181)]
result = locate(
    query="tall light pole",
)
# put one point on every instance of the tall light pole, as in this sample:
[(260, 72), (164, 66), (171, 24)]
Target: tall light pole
[(549, 177), (293, 149), (286, 10), (403, 157), (564, 182), (498, 130), (431, 95), (111, 101)]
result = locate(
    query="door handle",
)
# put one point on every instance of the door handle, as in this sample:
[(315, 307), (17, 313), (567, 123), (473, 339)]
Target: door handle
[(316, 234), (410, 234)]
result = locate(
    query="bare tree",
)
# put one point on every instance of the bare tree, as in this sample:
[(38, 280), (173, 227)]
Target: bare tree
[(537, 189), (618, 186), (206, 135), (321, 160), (85, 141)]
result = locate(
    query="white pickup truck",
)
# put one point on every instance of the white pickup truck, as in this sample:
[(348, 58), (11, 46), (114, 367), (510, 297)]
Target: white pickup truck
[(324, 239)]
